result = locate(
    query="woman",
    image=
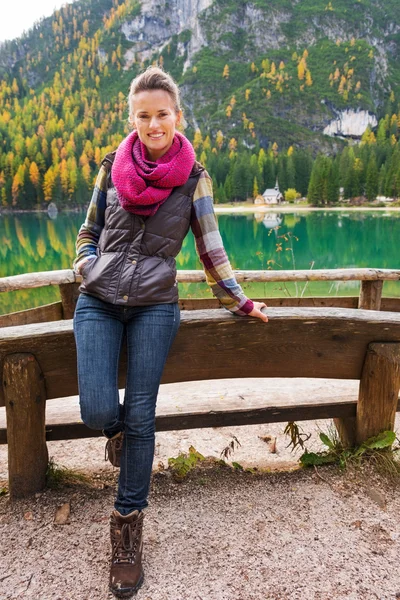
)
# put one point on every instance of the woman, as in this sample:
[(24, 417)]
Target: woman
[(147, 195)]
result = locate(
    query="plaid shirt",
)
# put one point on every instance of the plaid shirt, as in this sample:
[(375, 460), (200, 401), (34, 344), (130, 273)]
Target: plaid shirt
[(209, 245)]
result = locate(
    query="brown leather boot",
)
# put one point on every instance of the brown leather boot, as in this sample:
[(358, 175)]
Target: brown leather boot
[(126, 575), (113, 449)]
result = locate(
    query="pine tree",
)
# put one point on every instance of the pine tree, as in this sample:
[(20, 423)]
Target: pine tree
[(372, 183), (332, 181), (316, 194)]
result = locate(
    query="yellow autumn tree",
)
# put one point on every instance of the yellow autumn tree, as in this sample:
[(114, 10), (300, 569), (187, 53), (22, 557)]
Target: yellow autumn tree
[(232, 145), (255, 188), (207, 144), (219, 139), (48, 184), (225, 72), (64, 178), (301, 69), (34, 174), (342, 84)]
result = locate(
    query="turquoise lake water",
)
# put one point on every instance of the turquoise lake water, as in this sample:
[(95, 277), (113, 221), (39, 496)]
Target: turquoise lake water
[(318, 240)]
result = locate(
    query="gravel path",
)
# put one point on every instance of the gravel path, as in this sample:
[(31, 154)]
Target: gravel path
[(220, 535)]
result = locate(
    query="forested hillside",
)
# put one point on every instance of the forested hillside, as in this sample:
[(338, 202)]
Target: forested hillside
[(260, 81)]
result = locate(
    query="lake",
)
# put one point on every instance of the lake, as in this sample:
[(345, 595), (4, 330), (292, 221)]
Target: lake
[(318, 240)]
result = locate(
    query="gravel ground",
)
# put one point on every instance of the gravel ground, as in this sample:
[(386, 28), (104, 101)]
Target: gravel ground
[(279, 533), (222, 535)]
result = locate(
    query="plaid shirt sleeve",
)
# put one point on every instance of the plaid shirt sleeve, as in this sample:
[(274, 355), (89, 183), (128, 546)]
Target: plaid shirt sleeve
[(89, 233), (210, 249)]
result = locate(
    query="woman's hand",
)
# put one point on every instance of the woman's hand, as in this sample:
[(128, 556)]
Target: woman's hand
[(256, 312)]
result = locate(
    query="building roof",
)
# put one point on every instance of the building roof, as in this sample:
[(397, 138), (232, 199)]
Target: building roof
[(272, 192)]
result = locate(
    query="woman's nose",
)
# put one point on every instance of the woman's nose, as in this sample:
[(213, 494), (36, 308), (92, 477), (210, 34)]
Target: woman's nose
[(153, 122)]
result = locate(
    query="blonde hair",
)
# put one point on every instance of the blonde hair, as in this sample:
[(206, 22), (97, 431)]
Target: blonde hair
[(153, 78)]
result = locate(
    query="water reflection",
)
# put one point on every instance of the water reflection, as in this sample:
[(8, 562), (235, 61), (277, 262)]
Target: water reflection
[(271, 220), (319, 240)]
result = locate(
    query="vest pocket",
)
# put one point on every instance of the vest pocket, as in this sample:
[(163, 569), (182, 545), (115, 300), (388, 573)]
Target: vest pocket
[(97, 279), (157, 280)]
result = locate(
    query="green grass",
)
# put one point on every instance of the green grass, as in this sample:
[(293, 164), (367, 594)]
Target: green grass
[(58, 476)]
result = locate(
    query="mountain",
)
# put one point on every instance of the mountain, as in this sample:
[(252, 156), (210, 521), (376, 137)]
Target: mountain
[(259, 72)]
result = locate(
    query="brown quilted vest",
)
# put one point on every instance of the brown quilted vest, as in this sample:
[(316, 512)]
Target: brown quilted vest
[(135, 262)]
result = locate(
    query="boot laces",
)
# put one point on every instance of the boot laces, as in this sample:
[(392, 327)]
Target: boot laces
[(113, 446), (125, 541)]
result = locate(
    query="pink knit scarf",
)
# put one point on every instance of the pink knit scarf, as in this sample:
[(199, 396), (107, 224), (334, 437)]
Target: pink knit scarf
[(144, 185)]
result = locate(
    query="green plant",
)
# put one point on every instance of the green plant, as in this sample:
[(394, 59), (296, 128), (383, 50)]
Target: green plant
[(58, 476), (184, 463), (378, 450), (237, 466)]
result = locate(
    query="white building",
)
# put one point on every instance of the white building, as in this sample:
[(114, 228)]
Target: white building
[(273, 195)]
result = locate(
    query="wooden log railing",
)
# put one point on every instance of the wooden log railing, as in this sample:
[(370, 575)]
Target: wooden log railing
[(38, 359), (370, 296)]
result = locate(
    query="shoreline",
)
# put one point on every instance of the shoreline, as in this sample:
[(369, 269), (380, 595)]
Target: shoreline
[(240, 209), (294, 209)]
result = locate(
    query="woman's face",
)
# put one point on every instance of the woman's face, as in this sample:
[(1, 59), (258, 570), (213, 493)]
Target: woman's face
[(155, 119)]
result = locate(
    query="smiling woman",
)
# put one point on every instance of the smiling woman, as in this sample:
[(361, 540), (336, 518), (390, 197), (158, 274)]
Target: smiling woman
[(155, 118), (148, 193)]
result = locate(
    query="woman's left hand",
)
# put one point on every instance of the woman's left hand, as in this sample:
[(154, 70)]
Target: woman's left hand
[(256, 312)]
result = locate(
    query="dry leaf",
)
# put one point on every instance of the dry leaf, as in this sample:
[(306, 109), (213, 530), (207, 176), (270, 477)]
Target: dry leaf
[(356, 524), (62, 514), (28, 516)]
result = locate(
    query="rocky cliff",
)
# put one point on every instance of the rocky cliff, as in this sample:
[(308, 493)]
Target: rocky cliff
[(238, 33)]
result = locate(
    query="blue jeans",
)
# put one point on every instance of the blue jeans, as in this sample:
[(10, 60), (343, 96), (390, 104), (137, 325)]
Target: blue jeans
[(100, 328)]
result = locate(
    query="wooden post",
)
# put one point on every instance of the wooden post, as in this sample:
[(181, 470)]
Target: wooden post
[(379, 390), (25, 400), (346, 428), (370, 295), (69, 293)]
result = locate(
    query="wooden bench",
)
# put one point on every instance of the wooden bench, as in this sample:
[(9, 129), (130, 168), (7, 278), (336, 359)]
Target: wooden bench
[(38, 362)]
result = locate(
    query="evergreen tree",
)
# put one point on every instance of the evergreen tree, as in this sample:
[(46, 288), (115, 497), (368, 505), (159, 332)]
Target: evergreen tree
[(317, 187), (269, 173), (332, 181), (372, 183), (303, 165), (290, 173)]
